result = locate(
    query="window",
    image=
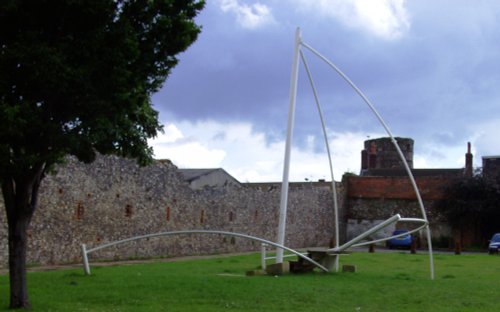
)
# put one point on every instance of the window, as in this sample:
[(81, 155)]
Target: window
[(128, 211)]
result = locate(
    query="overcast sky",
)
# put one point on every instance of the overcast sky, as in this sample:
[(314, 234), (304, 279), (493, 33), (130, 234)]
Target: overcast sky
[(431, 68)]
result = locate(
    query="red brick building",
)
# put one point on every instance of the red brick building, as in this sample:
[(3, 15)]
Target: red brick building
[(383, 188)]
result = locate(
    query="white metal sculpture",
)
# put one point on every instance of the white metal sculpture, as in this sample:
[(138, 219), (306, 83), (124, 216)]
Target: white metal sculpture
[(357, 241), (299, 44), (85, 251)]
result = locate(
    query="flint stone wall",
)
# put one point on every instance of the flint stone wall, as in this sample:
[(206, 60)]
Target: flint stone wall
[(113, 199)]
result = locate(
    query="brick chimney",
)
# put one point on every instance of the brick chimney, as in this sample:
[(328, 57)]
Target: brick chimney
[(468, 162)]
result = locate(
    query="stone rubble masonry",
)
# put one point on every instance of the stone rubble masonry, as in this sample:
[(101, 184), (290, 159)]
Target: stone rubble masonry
[(113, 198), (381, 153)]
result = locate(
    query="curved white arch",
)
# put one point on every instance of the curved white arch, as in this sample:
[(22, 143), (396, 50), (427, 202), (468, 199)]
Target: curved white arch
[(424, 224), (86, 251), (293, 92)]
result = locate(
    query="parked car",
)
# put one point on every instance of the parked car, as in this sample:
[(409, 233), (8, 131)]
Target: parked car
[(400, 242), (494, 244)]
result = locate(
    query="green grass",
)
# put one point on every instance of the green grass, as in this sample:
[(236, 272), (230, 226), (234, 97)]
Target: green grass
[(383, 282)]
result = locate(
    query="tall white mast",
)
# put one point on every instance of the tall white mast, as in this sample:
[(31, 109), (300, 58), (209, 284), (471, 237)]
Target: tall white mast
[(288, 146)]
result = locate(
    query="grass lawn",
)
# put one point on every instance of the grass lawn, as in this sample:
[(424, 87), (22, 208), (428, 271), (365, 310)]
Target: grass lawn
[(383, 282)]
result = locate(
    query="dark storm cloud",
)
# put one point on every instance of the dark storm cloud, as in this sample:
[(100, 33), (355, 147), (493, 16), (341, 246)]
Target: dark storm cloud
[(432, 83)]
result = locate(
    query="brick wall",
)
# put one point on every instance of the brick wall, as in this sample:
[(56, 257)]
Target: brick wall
[(371, 200), (431, 188)]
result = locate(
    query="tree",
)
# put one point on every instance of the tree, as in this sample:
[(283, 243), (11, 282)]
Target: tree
[(76, 78), (472, 205)]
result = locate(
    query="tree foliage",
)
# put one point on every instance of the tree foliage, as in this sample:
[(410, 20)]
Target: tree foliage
[(473, 204), (76, 77)]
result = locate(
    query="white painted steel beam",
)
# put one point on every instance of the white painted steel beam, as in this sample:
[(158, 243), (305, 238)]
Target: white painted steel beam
[(398, 149), (288, 146), (85, 251), (327, 145), (364, 235)]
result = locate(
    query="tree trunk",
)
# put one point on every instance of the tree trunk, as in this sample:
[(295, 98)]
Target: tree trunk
[(17, 262), (20, 198)]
